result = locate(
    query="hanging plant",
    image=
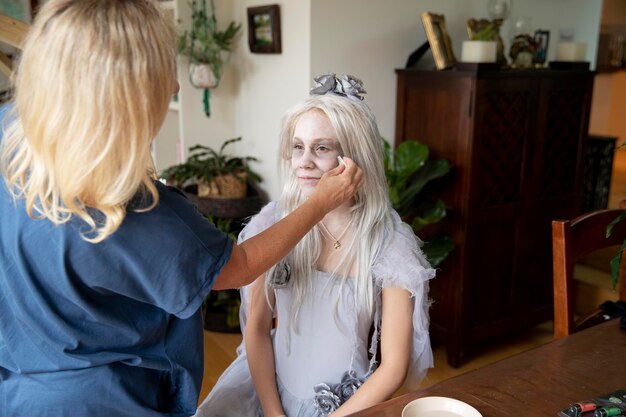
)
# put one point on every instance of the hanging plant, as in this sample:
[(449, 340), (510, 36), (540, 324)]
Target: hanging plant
[(206, 47)]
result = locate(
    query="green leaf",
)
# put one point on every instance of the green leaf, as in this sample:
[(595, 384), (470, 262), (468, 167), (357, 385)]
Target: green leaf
[(409, 157), (437, 249), (430, 216), (609, 228), (615, 264), (430, 171)]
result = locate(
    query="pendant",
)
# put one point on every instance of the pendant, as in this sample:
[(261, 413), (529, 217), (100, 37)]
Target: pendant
[(337, 244)]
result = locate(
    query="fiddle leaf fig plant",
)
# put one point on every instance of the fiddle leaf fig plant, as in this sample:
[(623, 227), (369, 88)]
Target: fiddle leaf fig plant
[(408, 170)]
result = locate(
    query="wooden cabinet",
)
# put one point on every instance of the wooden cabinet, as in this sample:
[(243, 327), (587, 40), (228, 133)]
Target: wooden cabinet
[(516, 141)]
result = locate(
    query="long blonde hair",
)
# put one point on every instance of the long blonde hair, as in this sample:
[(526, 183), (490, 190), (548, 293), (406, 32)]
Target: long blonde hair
[(91, 91), (359, 138)]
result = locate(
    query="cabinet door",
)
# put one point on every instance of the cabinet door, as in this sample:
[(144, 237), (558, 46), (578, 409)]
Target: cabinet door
[(504, 109), (555, 170)]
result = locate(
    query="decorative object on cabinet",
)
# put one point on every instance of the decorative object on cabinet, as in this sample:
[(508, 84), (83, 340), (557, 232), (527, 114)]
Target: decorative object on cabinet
[(205, 45), (498, 11), (486, 30), (516, 141), (439, 40), (523, 50), (264, 29), (542, 42), (216, 174), (408, 170), (482, 46)]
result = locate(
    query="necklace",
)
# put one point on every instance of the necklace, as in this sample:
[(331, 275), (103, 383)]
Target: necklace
[(336, 240)]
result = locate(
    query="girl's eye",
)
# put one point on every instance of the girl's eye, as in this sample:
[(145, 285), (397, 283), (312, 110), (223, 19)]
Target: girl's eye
[(298, 146), (322, 148)]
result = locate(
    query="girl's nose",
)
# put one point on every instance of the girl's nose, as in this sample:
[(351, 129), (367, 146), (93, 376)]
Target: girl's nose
[(307, 158)]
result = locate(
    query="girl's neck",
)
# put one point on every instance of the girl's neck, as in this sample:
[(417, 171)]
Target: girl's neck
[(339, 216)]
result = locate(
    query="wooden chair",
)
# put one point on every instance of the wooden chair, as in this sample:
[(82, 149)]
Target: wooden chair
[(571, 240), (12, 32)]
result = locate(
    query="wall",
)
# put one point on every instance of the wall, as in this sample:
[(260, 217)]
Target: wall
[(367, 38), (269, 84)]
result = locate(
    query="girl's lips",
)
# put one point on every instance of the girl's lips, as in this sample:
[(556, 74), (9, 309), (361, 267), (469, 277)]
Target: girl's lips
[(308, 179)]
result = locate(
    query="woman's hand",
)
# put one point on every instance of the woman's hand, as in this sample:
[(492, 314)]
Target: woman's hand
[(338, 185)]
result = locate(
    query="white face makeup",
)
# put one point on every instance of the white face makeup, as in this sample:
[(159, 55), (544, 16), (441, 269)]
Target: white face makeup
[(315, 149)]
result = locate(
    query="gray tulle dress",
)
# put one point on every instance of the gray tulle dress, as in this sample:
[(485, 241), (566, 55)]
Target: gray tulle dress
[(321, 365)]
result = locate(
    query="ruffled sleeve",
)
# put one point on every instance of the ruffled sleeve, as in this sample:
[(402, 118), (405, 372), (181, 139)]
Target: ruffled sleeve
[(258, 223), (402, 264)]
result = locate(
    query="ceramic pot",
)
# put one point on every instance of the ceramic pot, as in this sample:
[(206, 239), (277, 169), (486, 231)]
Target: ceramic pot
[(202, 76)]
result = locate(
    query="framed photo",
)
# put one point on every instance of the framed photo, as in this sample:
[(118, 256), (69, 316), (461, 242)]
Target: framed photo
[(264, 29), (439, 40)]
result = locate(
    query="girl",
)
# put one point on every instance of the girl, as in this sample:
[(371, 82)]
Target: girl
[(307, 343)]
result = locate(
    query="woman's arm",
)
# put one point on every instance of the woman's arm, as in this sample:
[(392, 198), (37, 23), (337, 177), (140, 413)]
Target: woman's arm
[(396, 342), (260, 351), (257, 254)]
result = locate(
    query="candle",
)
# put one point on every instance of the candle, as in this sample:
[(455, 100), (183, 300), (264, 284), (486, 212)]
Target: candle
[(571, 51), (478, 51)]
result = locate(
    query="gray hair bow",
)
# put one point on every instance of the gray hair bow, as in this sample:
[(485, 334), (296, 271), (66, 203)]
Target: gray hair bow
[(344, 85)]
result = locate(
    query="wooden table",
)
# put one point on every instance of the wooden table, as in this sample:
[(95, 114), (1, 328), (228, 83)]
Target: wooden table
[(539, 382)]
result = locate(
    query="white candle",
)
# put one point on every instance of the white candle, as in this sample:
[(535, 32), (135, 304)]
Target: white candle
[(571, 51), (478, 51)]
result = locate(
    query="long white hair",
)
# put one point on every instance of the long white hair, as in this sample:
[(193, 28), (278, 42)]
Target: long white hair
[(358, 136), (91, 91)]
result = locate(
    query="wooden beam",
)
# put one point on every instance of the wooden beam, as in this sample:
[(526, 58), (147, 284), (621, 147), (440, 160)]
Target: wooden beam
[(12, 31)]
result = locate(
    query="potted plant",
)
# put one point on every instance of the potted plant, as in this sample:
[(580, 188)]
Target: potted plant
[(483, 45), (204, 44), (408, 171), (219, 184), (217, 174), (205, 47)]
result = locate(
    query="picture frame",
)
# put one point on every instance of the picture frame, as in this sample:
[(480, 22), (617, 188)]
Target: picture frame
[(439, 40), (264, 35)]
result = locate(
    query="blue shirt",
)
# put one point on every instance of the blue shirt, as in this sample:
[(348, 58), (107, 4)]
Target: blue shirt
[(107, 329)]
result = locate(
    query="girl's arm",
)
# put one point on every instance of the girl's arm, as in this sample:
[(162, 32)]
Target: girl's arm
[(260, 351), (396, 343)]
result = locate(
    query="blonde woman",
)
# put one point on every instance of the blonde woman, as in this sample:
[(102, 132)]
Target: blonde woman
[(102, 269), (359, 270)]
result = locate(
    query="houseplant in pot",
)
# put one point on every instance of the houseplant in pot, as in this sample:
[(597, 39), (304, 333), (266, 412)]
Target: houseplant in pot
[(206, 47), (220, 184), (483, 44), (408, 170)]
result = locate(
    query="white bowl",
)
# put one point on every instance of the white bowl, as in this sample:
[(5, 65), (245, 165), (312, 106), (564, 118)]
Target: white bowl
[(439, 407)]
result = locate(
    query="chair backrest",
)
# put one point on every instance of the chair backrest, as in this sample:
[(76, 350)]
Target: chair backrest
[(12, 32), (572, 240)]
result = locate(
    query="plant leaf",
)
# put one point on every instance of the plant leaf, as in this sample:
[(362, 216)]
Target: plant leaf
[(609, 228), (430, 216), (430, 171), (437, 249), (615, 263)]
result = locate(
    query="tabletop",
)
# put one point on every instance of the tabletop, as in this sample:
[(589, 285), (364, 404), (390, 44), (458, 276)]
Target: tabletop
[(538, 382)]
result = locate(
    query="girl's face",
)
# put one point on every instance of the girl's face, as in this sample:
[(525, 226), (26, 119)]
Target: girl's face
[(315, 149)]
